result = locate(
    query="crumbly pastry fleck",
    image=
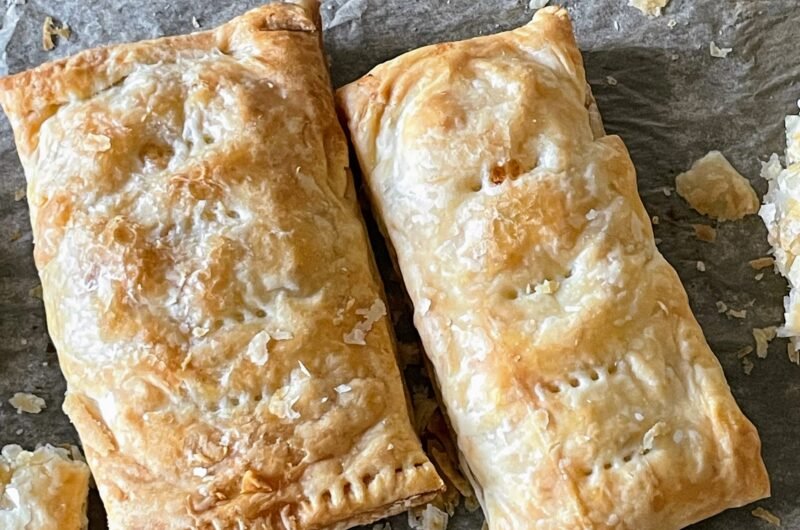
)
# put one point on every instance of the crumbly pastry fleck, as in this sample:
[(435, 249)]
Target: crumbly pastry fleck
[(27, 402), (766, 515), (705, 233), (193, 275), (714, 188), (762, 263), (737, 313), (542, 391), (718, 52), (45, 489), (19, 194), (762, 337), (50, 30), (700, 266), (651, 8)]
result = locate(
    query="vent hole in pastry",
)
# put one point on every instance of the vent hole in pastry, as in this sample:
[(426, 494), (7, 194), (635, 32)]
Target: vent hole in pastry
[(645, 451), (607, 465), (208, 139), (574, 382), (347, 490), (612, 369), (234, 401), (233, 214), (627, 458), (552, 388), (510, 294), (367, 480), (258, 397), (326, 497), (586, 472), (398, 470), (260, 313), (594, 375), (239, 317), (476, 186)]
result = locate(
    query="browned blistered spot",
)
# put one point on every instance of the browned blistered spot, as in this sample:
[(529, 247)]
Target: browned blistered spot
[(509, 170)]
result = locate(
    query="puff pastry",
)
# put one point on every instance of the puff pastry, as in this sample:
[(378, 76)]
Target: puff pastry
[(209, 285), (782, 220), (45, 489), (579, 384)]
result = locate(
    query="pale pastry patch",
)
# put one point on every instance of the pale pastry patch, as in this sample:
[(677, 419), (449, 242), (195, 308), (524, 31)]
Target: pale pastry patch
[(45, 489), (26, 402), (651, 8), (714, 188)]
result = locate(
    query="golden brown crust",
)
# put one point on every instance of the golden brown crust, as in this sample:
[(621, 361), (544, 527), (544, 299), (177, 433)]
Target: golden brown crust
[(580, 385), (208, 282)]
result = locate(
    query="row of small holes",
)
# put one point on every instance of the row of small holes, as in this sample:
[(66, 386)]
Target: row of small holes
[(574, 382), (608, 465), (347, 489)]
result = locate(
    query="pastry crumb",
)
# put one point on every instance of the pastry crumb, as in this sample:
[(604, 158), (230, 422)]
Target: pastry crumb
[(15, 236), (722, 307), (612, 81), (195, 23), (672, 23), (766, 515), (705, 233), (744, 351), (655, 220), (793, 353), (713, 187), (701, 266), (758, 277), (428, 518), (537, 4), (762, 337), (546, 287), (762, 263), (373, 314), (736, 313), (747, 365), (716, 51), (35, 292), (667, 191), (19, 194), (49, 30), (26, 402), (651, 8)]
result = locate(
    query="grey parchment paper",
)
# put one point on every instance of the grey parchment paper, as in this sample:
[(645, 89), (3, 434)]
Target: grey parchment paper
[(657, 86)]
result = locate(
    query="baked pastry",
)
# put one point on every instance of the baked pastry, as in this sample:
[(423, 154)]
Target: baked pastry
[(45, 489), (209, 285), (782, 220), (579, 384)]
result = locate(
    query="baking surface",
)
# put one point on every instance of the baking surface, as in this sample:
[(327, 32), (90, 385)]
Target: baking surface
[(656, 85)]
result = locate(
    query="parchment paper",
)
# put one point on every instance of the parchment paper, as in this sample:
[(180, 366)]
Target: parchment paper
[(671, 103)]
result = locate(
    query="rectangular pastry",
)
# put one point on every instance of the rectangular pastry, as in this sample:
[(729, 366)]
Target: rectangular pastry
[(575, 376), (209, 284), (45, 489)]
